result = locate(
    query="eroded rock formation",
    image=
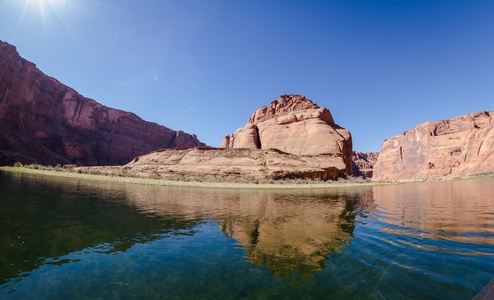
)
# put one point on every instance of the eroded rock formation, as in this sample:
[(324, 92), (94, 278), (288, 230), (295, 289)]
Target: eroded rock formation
[(363, 163), (44, 121), (462, 145), (232, 164), (295, 125)]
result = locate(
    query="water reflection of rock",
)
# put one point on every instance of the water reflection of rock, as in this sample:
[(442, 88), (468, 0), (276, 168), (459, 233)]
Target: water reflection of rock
[(289, 232), (459, 210), (43, 218), (292, 233)]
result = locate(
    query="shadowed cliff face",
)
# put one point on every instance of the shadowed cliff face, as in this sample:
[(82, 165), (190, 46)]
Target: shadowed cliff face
[(44, 121), (363, 163)]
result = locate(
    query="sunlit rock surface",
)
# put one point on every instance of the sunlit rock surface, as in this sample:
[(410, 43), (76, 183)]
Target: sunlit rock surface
[(295, 125), (44, 121), (462, 145), (237, 163)]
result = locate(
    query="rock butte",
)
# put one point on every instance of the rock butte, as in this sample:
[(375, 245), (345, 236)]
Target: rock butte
[(43, 121), (291, 138), (446, 148), (295, 125)]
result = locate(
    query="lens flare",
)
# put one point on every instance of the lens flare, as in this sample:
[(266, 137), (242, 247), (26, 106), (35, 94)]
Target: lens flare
[(51, 15)]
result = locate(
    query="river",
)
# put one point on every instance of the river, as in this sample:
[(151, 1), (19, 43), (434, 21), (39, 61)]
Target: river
[(64, 238)]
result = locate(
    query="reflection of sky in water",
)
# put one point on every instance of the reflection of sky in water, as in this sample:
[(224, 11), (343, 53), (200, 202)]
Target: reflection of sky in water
[(171, 259), (107, 240)]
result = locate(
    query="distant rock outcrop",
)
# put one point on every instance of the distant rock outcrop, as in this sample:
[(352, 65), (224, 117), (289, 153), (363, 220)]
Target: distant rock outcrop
[(295, 125), (363, 163), (46, 122), (458, 146)]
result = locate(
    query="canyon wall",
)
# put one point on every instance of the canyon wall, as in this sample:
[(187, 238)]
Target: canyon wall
[(363, 163), (43, 121), (446, 148)]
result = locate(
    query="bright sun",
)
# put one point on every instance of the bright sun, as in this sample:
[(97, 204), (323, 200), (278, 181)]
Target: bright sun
[(44, 4), (47, 9), (40, 3)]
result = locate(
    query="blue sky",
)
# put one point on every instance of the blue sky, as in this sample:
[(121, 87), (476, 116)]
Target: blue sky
[(204, 66)]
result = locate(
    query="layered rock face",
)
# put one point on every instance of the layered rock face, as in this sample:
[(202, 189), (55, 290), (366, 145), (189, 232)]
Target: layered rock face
[(46, 122), (458, 146), (232, 164), (363, 163), (295, 125)]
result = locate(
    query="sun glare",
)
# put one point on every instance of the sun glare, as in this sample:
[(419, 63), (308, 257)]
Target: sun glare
[(41, 4), (48, 10)]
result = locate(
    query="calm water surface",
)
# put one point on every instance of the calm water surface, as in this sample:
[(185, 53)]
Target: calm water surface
[(75, 239)]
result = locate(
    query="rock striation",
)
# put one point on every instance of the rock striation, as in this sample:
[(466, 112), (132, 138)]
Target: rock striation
[(363, 163), (43, 121), (295, 125), (446, 148), (233, 164)]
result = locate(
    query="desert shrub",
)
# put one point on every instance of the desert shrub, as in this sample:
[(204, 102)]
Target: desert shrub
[(17, 164), (213, 179), (242, 180)]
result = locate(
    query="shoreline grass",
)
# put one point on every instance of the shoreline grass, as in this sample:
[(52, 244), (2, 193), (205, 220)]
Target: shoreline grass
[(304, 184), (71, 171)]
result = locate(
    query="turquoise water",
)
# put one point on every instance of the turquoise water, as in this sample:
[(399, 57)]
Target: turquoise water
[(75, 239)]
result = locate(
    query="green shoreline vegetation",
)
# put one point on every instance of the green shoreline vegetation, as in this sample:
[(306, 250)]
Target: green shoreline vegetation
[(120, 176)]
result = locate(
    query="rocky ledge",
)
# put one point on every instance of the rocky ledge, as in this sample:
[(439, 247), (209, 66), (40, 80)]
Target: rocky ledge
[(446, 148), (233, 164)]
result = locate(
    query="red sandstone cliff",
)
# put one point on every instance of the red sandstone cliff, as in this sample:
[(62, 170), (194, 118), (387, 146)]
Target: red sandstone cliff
[(458, 146), (44, 121)]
